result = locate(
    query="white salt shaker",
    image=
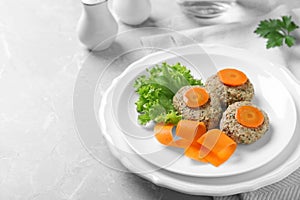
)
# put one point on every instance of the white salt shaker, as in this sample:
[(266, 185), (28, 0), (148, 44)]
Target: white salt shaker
[(96, 28), (132, 12)]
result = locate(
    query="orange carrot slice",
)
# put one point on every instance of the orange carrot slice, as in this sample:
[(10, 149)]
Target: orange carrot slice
[(193, 152), (216, 147), (249, 116), (187, 130), (196, 97), (213, 146), (163, 134), (190, 130), (232, 77)]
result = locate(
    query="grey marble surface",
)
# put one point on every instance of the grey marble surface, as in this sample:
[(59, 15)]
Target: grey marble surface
[(41, 154)]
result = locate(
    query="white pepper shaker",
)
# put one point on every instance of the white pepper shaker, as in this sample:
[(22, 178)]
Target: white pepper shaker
[(96, 28), (132, 12)]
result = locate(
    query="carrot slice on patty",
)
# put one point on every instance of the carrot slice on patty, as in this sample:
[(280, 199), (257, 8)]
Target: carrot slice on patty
[(196, 97), (249, 116), (232, 77)]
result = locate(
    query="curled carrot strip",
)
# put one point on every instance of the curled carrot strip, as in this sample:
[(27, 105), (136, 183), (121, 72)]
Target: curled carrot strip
[(163, 133), (193, 152), (212, 146), (190, 130), (216, 147), (187, 130)]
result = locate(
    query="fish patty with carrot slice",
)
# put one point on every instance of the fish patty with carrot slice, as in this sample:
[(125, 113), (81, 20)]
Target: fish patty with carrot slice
[(196, 103), (244, 122), (230, 86)]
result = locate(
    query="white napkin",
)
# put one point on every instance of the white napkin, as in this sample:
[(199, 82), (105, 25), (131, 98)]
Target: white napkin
[(240, 34)]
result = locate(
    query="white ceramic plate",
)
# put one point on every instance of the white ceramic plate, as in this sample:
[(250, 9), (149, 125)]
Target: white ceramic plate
[(281, 166), (278, 103)]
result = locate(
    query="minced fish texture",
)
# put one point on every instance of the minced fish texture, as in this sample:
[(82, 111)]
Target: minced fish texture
[(210, 113), (227, 94), (238, 132)]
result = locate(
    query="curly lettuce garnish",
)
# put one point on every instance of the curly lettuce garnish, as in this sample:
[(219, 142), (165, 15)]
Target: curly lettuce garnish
[(156, 92)]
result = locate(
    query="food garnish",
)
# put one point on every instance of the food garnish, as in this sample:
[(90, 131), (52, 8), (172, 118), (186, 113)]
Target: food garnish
[(232, 77), (156, 92), (212, 146), (193, 152), (186, 130), (196, 97), (216, 147), (277, 31), (249, 116), (189, 129)]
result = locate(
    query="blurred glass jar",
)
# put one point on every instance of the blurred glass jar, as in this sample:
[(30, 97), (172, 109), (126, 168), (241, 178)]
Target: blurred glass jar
[(205, 8)]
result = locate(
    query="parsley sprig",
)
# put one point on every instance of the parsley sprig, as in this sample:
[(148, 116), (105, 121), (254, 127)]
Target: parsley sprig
[(277, 31)]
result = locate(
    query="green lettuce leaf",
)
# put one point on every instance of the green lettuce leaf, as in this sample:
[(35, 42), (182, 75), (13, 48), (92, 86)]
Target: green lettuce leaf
[(157, 90)]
